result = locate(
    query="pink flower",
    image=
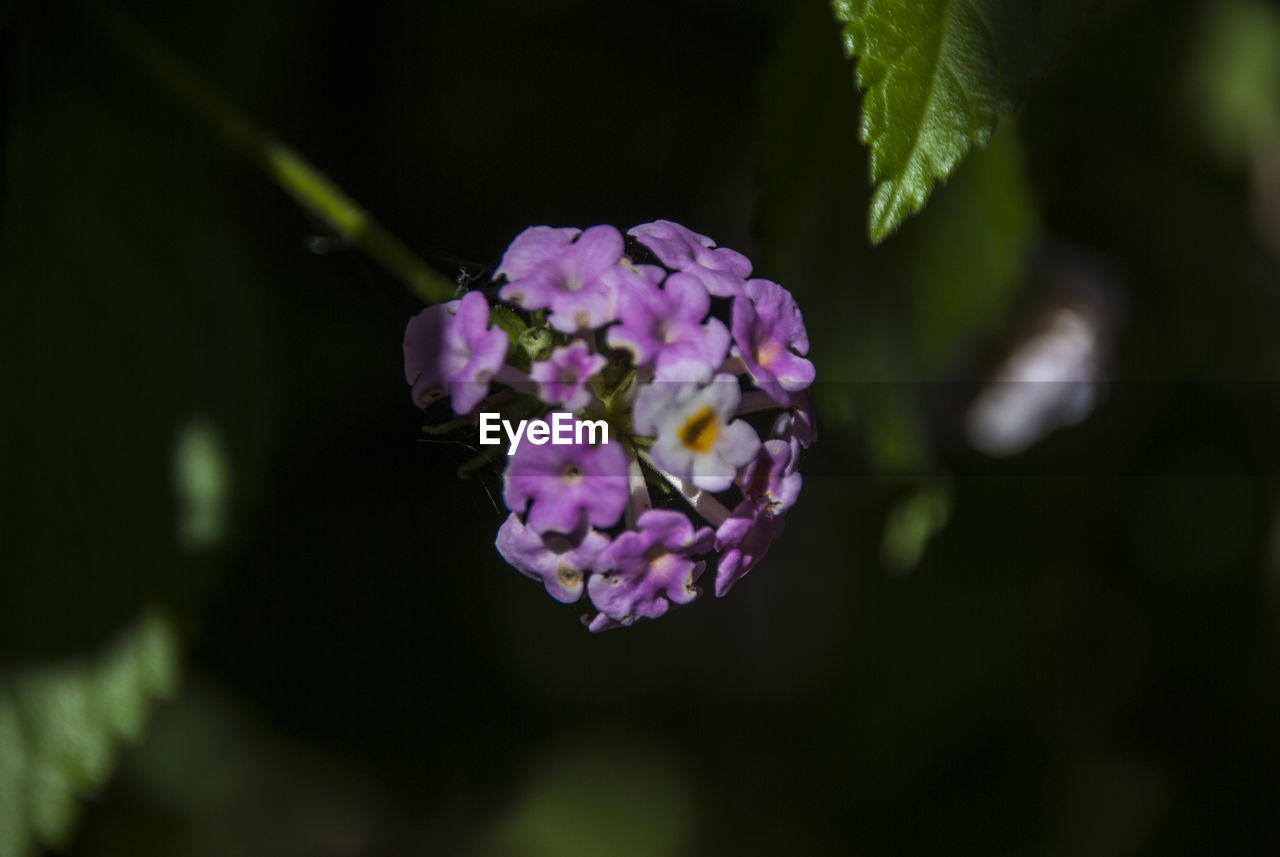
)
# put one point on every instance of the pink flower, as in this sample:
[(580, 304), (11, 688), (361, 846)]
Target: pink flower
[(770, 337), (648, 569), (720, 269), (452, 346), (667, 376), (565, 485), (562, 379)]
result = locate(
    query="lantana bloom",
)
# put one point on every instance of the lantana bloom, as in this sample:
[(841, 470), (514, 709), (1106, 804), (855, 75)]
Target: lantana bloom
[(576, 279), (720, 269), (769, 336), (696, 434), (564, 485), (450, 349), (697, 411), (669, 328), (649, 568), (560, 561), (770, 486), (562, 379)]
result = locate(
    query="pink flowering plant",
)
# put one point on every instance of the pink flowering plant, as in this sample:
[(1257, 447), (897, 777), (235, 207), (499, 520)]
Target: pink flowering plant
[(692, 378)]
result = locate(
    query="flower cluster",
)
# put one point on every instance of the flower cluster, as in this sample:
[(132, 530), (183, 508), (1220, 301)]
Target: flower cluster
[(695, 371)]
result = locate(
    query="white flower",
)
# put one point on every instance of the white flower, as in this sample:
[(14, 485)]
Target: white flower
[(694, 430)]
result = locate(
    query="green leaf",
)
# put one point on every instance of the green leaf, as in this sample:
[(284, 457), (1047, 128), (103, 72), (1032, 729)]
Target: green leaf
[(60, 725), (914, 310), (936, 74), (912, 523)]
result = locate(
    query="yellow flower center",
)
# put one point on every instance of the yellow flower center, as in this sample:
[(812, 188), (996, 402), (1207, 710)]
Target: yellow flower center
[(767, 353), (568, 577), (661, 561), (700, 430)]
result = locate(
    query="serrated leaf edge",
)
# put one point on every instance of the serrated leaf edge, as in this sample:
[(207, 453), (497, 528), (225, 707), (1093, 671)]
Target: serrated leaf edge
[(891, 200)]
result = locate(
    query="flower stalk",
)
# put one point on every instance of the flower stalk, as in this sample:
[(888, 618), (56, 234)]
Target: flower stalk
[(309, 187)]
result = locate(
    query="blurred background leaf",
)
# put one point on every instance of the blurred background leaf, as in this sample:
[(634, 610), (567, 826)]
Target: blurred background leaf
[(1233, 79), (61, 722), (121, 322), (593, 794)]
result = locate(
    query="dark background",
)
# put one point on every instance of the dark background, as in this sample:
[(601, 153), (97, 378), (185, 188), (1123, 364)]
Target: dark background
[(1082, 663)]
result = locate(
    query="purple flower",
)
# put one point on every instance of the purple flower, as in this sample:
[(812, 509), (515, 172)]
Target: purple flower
[(770, 487), (649, 568), (635, 347), (563, 378), (769, 336), (720, 269), (796, 425), (664, 326), (452, 346), (566, 484), (422, 340), (694, 432), (560, 561), (532, 248), (745, 537), (770, 481), (574, 279)]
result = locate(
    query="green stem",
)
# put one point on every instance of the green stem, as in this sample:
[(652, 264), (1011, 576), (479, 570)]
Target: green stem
[(307, 185)]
